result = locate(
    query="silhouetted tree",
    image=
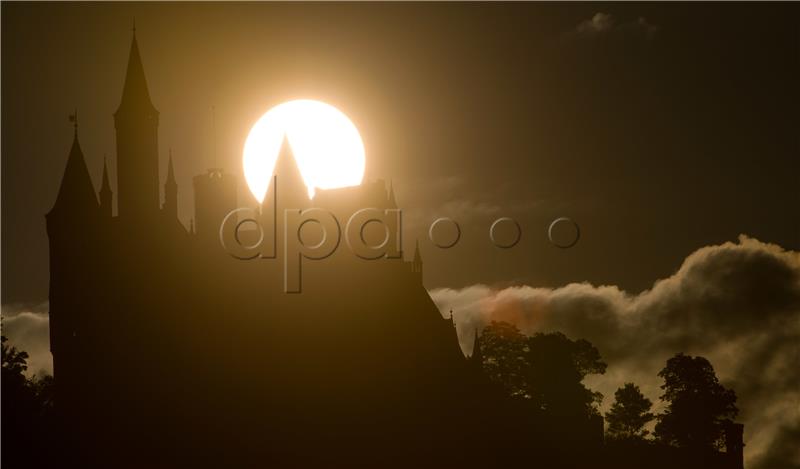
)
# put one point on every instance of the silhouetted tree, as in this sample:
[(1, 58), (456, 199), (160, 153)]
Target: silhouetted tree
[(629, 414), (698, 407), (504, 358), (545, 368), (25, 413), (15, 362)]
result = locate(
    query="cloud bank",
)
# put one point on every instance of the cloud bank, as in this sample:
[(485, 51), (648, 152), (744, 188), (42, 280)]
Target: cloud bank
[(737, 304)]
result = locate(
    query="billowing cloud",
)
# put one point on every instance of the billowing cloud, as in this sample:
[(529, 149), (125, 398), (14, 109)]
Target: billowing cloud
[(738, 304), (28, 328), (605, 24)]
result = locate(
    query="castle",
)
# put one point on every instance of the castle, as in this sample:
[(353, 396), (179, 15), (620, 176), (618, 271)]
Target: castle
[(159, 338), (167, 351)]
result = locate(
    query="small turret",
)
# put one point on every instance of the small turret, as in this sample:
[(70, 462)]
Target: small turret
[(416, 263)]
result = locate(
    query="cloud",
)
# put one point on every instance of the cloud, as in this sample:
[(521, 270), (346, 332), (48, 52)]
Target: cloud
[(738, 304), (28, 329), (603, 24)]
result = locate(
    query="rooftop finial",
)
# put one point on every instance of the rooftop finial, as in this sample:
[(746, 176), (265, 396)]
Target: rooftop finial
[(74, 119)]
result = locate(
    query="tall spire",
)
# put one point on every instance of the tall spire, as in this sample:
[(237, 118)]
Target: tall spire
[(291, 187), (170, 190), (170, 172), (136, 122), (76, 193), (105, 192), (135, 94), (416, 263)]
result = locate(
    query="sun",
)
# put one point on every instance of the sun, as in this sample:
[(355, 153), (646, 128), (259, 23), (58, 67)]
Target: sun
[(326, 145)]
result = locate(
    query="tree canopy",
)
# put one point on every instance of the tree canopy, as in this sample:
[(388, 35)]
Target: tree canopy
[(546, 368), (629, 414), (698, 409)]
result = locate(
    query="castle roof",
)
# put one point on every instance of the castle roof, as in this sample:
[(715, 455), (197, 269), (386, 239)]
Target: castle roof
[(77, 190)]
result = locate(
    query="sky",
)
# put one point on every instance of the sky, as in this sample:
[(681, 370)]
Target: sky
[(665, 131)]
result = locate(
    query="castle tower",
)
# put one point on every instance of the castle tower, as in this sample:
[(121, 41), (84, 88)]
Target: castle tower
[(214, 198), (106, 195), (71, 225), (136, 123), (170, 206)]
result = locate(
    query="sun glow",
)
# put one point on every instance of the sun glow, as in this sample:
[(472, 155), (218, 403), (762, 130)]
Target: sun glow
[(327, 146)]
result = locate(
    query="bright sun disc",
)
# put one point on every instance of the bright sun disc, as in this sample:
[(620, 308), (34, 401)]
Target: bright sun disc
[(326, 145)]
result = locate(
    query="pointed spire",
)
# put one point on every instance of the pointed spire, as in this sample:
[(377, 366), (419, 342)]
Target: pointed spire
[(417, 255), (170, 171), (290, 183), (77, 191), (135, 95), (170, 206)]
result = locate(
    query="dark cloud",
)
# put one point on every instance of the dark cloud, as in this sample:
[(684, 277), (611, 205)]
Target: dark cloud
[(738, 304), (603, 24)]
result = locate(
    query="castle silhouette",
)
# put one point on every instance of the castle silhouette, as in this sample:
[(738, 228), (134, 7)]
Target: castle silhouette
[(167, 351)]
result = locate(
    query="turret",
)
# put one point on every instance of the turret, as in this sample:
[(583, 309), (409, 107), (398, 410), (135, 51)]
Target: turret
[(214, 199), (136, 123)]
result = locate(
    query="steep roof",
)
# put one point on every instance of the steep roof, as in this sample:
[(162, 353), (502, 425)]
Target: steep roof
[(135, 95), (291, 185), (76, 191)]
